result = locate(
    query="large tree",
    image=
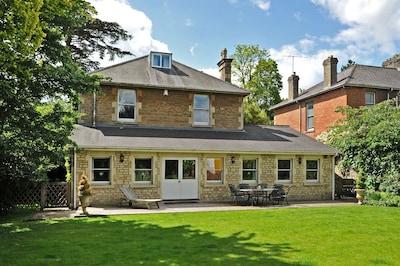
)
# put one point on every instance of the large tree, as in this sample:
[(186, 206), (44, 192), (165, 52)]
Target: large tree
[(369, 142), (259, 74), (40, 87)]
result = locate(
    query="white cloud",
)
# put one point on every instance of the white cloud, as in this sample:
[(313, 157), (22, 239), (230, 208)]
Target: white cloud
[(371, 25), (135, 22), (263, 5), (192, 48), (188, 22)]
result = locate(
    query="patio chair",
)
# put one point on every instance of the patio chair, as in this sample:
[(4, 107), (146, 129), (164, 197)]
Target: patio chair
[(131, 197), (279, 195), (235, 194)]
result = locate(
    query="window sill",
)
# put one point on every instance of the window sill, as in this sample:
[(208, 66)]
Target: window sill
[(311, 130)]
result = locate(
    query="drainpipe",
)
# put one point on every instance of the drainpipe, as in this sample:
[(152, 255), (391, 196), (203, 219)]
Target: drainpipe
[(300, 122), (75, 184), (333, 177), (94, 110)]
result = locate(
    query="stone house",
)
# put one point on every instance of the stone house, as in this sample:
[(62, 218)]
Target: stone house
[(313, 111), (172, 132)]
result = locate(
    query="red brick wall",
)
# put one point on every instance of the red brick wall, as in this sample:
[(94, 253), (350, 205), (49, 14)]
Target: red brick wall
[(324, 108)]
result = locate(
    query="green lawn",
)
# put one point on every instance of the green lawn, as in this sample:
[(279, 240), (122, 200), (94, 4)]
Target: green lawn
[(357, 235)]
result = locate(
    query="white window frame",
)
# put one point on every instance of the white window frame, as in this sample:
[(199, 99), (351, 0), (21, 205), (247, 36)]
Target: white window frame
[(92, 169), (127, 104), (211, 168), (164, 60), (201, 109), (151, 170), (310, 116), (370, 93), (290, 170), (256, 170), (317, 170)]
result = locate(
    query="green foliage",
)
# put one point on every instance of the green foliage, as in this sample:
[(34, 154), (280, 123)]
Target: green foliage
[(41, 80), (368, 140), (259, 74), (349, 64), (383, 199)]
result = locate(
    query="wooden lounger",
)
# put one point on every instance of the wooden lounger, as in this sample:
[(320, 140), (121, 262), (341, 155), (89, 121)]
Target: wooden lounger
[(131, 197)]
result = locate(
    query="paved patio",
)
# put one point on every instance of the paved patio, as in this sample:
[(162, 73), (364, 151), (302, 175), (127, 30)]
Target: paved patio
[(171, 207)]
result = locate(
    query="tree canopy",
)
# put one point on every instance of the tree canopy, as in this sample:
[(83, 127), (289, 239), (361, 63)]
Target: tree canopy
[(259, 74), (40, 85), (349, 64), (369, 142)]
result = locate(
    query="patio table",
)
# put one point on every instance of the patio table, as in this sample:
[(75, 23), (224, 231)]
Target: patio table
[(254, 194)]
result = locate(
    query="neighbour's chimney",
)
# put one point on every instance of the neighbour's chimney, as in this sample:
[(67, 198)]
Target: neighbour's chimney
[(330, 71), (225, 66), (293, 81)]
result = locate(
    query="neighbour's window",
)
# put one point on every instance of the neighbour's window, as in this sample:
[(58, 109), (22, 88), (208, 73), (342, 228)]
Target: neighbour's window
[(143, 170), (201, 110), (310, 116), (161, 60), (312, 170), (126, 105), (250, 171), (215, 169), (285, 170), (369, 99), (101, 170)]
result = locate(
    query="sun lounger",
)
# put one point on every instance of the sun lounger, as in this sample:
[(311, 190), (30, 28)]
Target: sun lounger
[(131, 197)]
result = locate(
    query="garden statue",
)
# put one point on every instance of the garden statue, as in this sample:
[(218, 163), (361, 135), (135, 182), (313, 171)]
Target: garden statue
[(85, 191)]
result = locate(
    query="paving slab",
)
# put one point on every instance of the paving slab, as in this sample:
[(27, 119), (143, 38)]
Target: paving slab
[(174, 207)]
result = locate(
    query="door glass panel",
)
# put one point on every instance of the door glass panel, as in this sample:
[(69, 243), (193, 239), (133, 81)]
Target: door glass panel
[(189, 169), (171, 169)]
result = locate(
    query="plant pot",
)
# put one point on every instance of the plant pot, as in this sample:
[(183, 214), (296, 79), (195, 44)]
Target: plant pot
[(84, 203), (360, 192)]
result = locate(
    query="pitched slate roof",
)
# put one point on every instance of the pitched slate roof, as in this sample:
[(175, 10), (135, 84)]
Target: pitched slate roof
[(254, 139), (139, 73), (354, 76)]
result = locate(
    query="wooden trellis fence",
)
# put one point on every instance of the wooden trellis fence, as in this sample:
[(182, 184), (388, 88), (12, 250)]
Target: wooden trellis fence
[(54, 194)]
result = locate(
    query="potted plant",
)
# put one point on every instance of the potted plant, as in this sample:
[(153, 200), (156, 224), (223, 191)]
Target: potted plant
[(85, 191), (360, 187)]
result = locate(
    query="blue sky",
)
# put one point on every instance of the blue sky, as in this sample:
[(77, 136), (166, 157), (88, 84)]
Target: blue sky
[(195, 31)]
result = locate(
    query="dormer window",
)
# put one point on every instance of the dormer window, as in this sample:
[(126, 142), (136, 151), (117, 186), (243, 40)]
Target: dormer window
[(161, 60)]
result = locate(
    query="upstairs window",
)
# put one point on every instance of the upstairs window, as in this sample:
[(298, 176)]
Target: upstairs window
[(369, 99), (310, 116), (126, 105), (201, 110), (161, 60)]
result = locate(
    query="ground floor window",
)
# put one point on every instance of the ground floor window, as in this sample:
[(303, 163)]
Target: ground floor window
[(215, 169), (250, 171), (312, 171), (285, 170), (101, 170), (143, 170)]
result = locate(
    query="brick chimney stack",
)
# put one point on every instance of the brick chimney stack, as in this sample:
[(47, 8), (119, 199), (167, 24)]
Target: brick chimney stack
[(330, 71), (293, 81), (225, 66)]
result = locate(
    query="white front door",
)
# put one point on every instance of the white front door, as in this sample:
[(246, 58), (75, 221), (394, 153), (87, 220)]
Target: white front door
[(180, 179)]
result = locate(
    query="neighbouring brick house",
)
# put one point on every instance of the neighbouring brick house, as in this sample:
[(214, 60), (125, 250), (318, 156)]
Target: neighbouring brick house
[(313, 111), (169, 131)]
